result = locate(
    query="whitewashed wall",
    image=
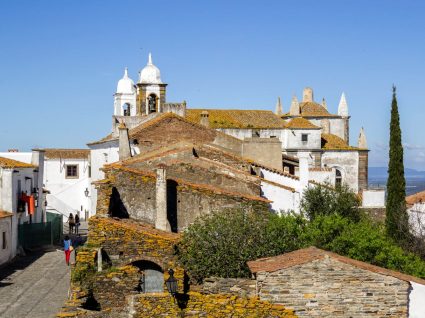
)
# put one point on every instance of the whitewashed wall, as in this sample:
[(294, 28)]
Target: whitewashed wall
[(345, 161), (373, 198), (323, 176), (336, 125), (280, 178), (284, 200), (417, 301), (67, 192), (6, 227), (292, 139)]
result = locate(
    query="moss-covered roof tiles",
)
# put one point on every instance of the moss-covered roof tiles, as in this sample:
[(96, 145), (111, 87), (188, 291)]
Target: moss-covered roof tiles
[(301, 123), (233, 118), (10, 163), (56, 153), (333, 142)]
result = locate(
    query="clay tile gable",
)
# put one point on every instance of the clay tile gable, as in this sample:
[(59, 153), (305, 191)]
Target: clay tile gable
[(10, 163), (235, 118), (301, 123), (4, 214), (416, 198), (307, 255), (57, 153), (333, 142)]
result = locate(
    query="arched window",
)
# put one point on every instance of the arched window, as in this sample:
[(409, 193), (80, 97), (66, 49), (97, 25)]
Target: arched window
[(152, 101), (126, 109), (151, 277), (338, 178)]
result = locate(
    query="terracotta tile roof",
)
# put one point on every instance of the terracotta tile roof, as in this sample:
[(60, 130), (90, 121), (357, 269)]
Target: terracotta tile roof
[(416, 198), (278, 185), (4, 214), (333, 142), (281, 172), (300, 123), (310, 254), (233, 118), (313, 109), (10, 163), (56, 153)]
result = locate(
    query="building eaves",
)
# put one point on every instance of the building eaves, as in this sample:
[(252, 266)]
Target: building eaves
[(58, 153), (10, 163), (310, 254)]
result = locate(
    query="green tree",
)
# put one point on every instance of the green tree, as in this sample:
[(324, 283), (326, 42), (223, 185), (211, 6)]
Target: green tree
[(396, 215), (323, 200)]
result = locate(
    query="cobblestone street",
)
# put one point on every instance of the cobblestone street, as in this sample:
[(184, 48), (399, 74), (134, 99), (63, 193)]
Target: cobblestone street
[(34, 286)]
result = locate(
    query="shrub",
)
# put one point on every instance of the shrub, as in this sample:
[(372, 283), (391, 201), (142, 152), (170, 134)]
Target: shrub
[(324, 200), (219, 244)]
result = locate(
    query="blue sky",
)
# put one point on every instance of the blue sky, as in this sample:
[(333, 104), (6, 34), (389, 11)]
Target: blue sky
[(60, 62)]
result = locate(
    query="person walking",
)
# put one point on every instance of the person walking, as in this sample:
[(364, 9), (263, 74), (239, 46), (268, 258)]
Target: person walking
[(77, 223), (67, 247), (71, 223)]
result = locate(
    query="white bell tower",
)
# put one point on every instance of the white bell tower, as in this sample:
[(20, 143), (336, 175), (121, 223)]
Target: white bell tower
[(125, 97)]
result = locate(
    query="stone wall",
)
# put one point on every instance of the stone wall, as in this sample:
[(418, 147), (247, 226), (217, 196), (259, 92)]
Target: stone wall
[(265, 151), (199, 305), (236, 286), (127, 194), (329, 288)]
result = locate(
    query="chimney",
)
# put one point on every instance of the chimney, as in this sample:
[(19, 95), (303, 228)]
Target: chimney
[(295, 107), (279, 110), (308, 95), (362, 142), (124, 144), (303, 170), (161, 220), (205, 121)]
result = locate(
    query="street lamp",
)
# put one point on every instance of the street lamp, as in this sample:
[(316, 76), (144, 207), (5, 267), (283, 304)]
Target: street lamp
[(86, 192), (171, 283)]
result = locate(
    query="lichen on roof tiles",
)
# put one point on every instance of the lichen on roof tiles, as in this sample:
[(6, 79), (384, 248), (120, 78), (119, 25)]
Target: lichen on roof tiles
[(333, 142), (10, 163), (234, 118), (301, 123), (56, 153)]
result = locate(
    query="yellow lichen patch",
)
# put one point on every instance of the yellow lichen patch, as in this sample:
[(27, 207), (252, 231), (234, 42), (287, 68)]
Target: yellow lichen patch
[(10, 163), (233, 118), (301, 123), (333, 142)]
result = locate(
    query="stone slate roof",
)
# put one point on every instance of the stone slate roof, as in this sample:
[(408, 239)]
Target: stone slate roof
[(234, 118), (333, 142), (4, 214), (416, 198), (10, 163), (301, 123), (310, 254), (58, 153)]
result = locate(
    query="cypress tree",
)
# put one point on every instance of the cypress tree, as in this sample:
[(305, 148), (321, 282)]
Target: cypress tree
[(396, 214)]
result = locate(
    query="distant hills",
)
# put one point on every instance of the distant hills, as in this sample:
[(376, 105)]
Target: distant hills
[(382, 172)]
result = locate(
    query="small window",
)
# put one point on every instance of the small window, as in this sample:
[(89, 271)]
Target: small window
[(304, 137), (338, 178), (4, 243), (72, 171)]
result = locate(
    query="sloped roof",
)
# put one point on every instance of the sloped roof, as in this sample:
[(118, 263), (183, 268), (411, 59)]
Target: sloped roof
[(10, 163), (56, 153), (310, 254), (333, 142), (301, 123), (235, 118), (4, 214), (416, 198)]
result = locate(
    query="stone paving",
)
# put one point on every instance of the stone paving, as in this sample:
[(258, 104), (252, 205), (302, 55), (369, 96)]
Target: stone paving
[(35, 286)]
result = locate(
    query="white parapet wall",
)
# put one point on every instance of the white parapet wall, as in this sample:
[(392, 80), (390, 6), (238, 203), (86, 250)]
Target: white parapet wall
[(283, 198), (373, 199), (417, 301)]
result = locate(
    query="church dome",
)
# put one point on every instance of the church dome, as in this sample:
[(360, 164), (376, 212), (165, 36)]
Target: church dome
[(126, 84), (150, 73)]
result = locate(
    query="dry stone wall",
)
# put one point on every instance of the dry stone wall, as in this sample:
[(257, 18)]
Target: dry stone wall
[(329, 288)]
